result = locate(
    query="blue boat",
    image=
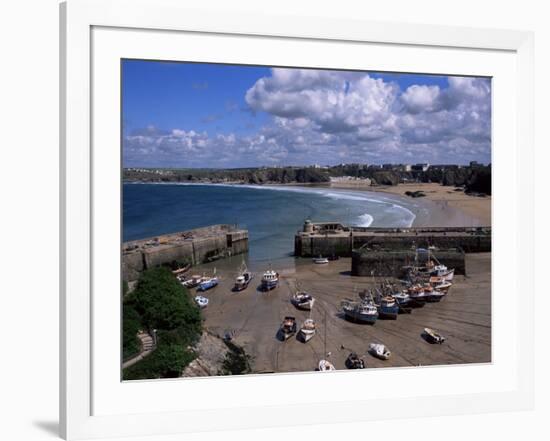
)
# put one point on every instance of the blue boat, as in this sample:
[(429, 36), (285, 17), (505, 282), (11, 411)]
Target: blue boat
[(270, 280), (389, 308), (362, 312), (208, 284)]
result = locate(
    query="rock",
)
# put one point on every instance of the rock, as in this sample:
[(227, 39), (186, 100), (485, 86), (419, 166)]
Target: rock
[(211, 352), (415, 194)]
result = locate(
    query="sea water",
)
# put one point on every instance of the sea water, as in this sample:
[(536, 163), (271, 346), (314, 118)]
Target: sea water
[(272, 214)]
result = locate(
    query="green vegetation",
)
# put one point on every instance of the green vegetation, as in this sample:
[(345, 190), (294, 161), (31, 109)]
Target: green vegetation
[(264, 175), (236, 361), (475, 178), (131, 323), (160, 303)]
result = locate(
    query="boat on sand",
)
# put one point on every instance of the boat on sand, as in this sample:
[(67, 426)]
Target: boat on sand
[(303, 300), (243, 278), (433, 336), (307, 331), (202, 302), (354, 361), (270, 280), (287, 329), (380, 351), (325, 366)]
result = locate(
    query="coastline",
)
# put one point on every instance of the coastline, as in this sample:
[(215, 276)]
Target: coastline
[(449, 201), (442, 206)]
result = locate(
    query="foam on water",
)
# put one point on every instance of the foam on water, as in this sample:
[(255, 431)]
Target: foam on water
[(405, 216)]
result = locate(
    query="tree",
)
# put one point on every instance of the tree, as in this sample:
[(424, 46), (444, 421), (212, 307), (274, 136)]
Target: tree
[(162, 302)]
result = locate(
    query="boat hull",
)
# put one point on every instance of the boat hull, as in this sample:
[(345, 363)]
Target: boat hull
[(369, 319), (268, 285), (205, 286), (305, 336), (388, 312)]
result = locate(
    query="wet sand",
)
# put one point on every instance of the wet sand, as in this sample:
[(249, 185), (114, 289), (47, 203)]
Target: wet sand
[(450, 204), (463, 316)]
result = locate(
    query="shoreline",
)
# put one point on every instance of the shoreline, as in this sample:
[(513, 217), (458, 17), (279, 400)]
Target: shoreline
[(446, 198), (442, 206)]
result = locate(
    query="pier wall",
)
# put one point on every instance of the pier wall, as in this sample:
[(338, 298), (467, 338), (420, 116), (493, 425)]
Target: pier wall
[(339, 240), (194, 246), (367, 262)]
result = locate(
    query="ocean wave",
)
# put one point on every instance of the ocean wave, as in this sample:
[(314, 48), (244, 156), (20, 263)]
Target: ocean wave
[(405, 216), (365, 220)]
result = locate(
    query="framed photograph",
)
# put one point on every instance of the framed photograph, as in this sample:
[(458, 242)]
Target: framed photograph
[(310, 220)]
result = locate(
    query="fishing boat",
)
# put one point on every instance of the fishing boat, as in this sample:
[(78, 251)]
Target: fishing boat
[(417, 294), (325, 366), (431, 268), (403, 299), (433, 336), (192, 281), (444, 272), (303, 300), (360, 312), (270, 280), (354, 361), (288, 328), (307, 331), (179, 272), (201, 301), (440, 283), (208, 283), (320, 260), (388, 309), (380, 351), (435, 296), (243, 278)]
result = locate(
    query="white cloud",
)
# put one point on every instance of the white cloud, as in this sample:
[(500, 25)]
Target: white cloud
[(329, 116)]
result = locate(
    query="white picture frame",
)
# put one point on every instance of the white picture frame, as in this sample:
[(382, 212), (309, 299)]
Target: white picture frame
[(83, 412)]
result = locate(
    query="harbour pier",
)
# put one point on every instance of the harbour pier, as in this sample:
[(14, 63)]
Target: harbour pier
[(200, 245)]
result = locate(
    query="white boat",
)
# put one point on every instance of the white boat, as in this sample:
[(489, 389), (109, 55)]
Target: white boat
[(270, 280), (379, 351), (325, 366), (433, 336), (193, 281), (307, 331), (243, 279), (303, 300), (320, 260), (208, 283), (360, 312), (440, 283), (201, 301)]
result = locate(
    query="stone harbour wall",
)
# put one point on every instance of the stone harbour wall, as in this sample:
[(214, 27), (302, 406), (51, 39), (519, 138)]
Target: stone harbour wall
[(194, 246)]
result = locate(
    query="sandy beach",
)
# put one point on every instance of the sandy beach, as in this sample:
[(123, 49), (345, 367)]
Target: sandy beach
[(450, 202), (253, 318)]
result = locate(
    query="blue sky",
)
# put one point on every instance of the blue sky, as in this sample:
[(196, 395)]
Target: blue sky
[(213, 115)]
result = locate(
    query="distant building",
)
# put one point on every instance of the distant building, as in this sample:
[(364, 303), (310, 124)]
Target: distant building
[(420, 167), (475, 164)]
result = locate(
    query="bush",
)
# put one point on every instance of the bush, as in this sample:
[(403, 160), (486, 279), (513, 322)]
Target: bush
[(167, 361), (131, 324), (160, 302), (236, 361), (163, 302)]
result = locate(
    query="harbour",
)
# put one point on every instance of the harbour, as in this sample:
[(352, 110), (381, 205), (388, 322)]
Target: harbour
[(315, 313), (252, 317)]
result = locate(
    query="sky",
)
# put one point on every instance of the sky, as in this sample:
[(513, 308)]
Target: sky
[(200, 115)]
